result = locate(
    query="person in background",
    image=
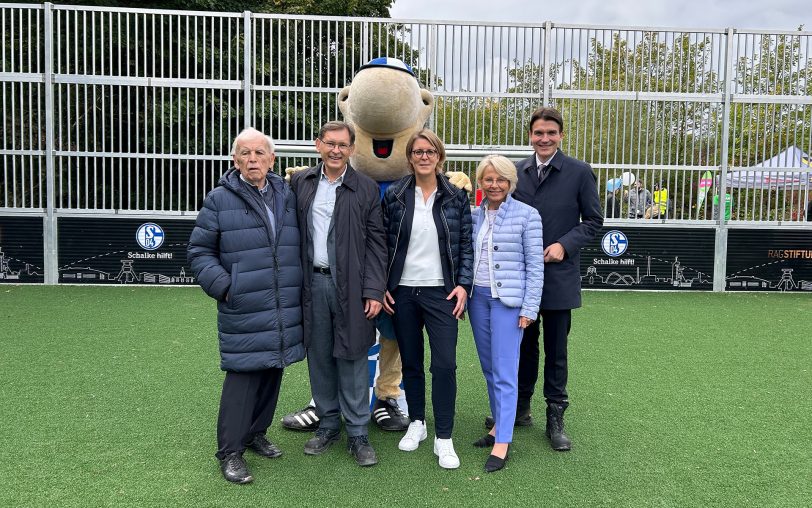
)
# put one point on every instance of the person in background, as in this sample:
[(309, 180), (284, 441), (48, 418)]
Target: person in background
[(508, 280), (639, 199)]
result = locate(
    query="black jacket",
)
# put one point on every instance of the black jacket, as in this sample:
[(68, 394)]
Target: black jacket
[(357, 253), (232, 252), (452, 217), (571, 215)]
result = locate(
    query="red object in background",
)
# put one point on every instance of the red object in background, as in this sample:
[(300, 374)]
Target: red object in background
[(478, 197)]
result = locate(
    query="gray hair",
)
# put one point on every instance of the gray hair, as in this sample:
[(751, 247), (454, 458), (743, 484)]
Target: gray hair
[(503, 168), (250, 132)]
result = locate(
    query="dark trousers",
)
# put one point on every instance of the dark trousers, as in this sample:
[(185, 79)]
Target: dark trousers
[(247, 405), (556, 326), (416, 307)]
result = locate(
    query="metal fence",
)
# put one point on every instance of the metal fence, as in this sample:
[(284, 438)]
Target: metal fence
[(125, 111)]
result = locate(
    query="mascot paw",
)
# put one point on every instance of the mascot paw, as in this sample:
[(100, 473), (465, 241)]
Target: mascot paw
[(289, 172), (460, 180)]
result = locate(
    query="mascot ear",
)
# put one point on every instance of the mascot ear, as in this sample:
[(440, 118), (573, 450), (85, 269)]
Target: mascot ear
[(428, 104), (343, 104)]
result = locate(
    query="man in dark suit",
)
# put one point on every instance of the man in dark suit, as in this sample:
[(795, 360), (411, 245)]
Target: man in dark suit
[(564, 191)]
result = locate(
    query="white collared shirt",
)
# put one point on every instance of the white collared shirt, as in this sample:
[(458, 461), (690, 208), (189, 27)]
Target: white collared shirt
[(422, 266)]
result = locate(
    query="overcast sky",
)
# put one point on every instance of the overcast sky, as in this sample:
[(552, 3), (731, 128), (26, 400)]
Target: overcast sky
[(742, 14)]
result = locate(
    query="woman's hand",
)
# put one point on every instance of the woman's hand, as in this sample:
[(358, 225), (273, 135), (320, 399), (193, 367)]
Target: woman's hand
[(462, 297), (388, 302), (525, 322)]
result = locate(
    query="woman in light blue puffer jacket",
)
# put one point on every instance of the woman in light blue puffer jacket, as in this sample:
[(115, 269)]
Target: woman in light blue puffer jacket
[(505, 298)]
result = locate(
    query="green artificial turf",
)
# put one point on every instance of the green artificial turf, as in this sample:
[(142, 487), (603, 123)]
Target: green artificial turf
[(109, 395)]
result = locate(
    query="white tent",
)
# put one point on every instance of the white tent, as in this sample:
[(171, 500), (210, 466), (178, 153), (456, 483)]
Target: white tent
[(792, 157)]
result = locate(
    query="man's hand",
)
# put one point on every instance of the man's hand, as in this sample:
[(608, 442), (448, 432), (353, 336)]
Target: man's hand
[(371, 308), (554, 253), (289, 172), (459, 180), (524, 322), (388, 302), (462, 296)]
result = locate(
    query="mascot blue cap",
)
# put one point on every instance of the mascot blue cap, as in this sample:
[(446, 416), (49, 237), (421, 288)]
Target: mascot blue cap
[(392, 63)]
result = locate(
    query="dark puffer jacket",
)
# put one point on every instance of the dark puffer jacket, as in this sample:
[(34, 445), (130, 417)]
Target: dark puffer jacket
[(452, 217), (232, 252)]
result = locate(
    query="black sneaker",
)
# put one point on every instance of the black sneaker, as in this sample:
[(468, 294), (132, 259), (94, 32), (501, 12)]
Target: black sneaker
[(304, 419), (388, 416), (319, 443), (362, 451)]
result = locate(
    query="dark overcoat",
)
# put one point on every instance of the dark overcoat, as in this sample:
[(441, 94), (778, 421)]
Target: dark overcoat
[(235, 251), (567, 200), (357, 251)]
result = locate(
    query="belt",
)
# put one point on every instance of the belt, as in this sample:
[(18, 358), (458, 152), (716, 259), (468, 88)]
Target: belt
[(321, 270)]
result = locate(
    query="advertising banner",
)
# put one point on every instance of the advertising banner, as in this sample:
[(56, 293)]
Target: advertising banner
[(123, 251), (769, 260), (649, 258), (21, 250)]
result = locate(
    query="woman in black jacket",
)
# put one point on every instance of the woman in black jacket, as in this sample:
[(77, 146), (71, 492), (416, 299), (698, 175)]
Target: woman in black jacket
[(428, 224)]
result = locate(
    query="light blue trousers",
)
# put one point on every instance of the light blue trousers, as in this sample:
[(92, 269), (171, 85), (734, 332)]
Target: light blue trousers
[(497, 336)]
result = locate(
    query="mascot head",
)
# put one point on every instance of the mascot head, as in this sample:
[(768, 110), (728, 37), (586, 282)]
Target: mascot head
[(386, 106)]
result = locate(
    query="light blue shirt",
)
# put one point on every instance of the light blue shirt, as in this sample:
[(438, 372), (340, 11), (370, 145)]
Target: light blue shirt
[(322, 215)]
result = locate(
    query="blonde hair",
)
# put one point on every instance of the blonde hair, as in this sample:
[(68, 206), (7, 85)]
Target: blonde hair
[(503, 168), (434, 141)]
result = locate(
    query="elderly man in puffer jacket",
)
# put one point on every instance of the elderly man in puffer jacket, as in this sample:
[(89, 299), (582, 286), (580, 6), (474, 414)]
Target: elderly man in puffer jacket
[(244, 251)]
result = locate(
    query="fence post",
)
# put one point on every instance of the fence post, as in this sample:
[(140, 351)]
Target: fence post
[(545, 64), (432, 70), (49, 229), (720, 249), (247, 59)]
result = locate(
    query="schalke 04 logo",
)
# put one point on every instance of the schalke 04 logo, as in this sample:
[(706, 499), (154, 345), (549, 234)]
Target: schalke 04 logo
[(614, 243), (149, 236)]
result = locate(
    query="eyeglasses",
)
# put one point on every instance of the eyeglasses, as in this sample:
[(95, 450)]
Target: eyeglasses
[(498, 181), (332, 146), (420, 153)]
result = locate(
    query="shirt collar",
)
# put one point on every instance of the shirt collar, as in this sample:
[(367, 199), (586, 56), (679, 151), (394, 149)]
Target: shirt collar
[(539, 162), (340, 179), (262, 190)]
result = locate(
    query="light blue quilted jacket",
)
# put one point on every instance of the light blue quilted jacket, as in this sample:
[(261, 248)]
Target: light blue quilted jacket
[(517, 254)]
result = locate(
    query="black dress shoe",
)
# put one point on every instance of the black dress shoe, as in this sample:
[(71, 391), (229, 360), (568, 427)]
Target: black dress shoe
[(495, 463), (319, 443), (234, 469), (262, 446), (485, 441), (362, 451)]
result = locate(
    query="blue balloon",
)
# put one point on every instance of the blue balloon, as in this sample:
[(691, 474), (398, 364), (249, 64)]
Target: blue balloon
[(613, 184)]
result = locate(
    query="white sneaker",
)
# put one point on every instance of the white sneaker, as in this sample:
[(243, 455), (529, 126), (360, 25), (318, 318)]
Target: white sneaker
[(414, 434), (444, 449)]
